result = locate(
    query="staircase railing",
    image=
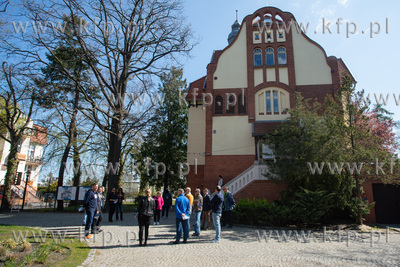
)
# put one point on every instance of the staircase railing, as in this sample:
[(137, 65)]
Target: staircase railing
[(254, 172), (36, 193)]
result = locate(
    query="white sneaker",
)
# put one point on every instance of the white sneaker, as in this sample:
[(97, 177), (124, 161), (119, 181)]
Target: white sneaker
[(154, 223), (215, 241), (158, 223)]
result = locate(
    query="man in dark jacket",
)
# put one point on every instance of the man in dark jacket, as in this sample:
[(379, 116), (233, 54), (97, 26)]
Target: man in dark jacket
[(98, 216), (167, 203), (90, 207), (227, 207), (112, 202), (205, 216), (216, 207), (144, 212)]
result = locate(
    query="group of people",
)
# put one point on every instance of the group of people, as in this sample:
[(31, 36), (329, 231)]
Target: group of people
[(115, 200), (201, 205), (94, 202), (93, 205)]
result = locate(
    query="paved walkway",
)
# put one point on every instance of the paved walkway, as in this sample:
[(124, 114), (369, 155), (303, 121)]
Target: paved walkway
[(240, 246)]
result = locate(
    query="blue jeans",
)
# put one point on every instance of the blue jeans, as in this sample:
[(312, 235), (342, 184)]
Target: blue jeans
[(188, 224), (181, 225), (217, 225), (89, 221), (118, 207), (197, 220)]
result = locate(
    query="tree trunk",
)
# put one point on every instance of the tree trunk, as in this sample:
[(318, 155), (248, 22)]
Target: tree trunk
[(77, 162), (359, 207), (67, 149), (77, 165), (166, 181), (12, 165), (111, 178)]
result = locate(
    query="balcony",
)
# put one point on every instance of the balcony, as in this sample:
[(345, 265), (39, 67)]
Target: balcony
[(34, 160), (21, 157)]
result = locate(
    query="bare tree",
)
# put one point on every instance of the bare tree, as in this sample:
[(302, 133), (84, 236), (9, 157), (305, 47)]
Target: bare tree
[(131, 40), (16, 105), (4, 5)]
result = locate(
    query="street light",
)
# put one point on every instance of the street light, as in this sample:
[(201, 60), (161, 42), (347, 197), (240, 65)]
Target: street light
[(28, 174)]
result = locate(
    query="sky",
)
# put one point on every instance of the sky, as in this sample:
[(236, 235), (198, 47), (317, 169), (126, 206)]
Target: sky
[(374, 62)]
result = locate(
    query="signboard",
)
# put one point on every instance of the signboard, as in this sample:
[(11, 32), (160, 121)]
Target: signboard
[(66, 193), (82, 192)]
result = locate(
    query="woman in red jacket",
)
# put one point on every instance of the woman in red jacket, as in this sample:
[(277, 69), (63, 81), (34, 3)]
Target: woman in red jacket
[(159, 204)]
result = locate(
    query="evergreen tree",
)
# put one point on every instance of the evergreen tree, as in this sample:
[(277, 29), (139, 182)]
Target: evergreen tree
[(62, 91), (166, 142)]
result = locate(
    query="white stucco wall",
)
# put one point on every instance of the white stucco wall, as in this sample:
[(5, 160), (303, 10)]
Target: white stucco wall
[(310, 63), (231, 71), (196, 135), (232, 136)]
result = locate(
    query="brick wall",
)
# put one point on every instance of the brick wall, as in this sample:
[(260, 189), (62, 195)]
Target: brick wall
[(261, 189), (229, 166), (195, 179)]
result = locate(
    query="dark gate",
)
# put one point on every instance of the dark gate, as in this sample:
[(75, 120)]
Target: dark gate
[(387, 203)]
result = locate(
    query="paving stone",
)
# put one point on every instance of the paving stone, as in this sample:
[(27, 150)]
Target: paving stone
[(240, 246)]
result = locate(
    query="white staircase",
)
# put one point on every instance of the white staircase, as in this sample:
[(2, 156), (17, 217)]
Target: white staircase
[(255, 172)]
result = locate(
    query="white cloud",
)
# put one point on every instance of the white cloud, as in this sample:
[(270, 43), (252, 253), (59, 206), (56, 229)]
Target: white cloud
[(343, 2)]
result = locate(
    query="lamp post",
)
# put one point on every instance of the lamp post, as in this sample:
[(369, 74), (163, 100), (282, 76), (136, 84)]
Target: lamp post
[(28, 174)]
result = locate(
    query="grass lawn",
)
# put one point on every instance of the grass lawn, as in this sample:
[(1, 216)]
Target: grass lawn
[(29, 249)]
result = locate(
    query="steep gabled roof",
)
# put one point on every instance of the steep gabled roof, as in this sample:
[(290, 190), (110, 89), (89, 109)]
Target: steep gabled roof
[(200, 85)]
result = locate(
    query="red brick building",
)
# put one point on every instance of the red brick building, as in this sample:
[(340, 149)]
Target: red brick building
[(247, 91)]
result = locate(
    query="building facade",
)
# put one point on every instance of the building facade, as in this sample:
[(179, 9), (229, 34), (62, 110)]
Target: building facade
[(247, 91), (30, 153)]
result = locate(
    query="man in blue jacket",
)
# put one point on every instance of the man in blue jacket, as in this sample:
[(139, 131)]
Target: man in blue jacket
[(182, 213), (216, 207), (90, 207), (227, 207)]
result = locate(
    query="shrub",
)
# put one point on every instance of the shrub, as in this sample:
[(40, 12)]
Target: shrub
[(309, 207), (29, 259), (3, 251), (312, 206), (26, 246), (9, 243), (42, 254), (261, 212)]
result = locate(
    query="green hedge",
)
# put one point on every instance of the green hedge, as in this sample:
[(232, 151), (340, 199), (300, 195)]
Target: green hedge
[(309, 207), (261, 212)]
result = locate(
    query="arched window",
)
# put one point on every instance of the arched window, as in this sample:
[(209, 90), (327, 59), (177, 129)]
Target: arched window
[(242, 104), (282, 59), (269, 56), (271, 102), (231, 101), (257, 57), (218, 104), (268, 19)]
